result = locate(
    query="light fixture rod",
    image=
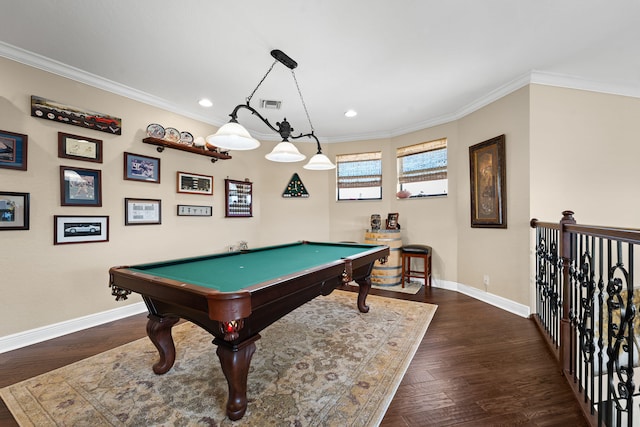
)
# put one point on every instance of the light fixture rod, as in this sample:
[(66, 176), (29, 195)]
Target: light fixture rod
[(284, 59)]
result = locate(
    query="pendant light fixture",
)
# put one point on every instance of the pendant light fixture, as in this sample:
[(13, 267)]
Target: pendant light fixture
[(233, 136)]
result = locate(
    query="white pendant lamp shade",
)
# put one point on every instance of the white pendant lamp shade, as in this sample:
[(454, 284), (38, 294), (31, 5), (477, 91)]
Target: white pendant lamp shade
[(285, 152), (319, 162), (233, 136)]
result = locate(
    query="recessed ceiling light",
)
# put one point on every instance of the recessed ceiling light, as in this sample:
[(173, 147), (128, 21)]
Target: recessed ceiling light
[(204, 102), (351, 113)]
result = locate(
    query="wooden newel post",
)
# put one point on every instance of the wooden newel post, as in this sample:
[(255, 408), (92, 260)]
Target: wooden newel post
[(566, 331)]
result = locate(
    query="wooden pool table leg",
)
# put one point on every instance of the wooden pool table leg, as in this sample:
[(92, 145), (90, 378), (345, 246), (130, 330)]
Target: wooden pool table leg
[(159, 332), (364, 286), (235, 361)]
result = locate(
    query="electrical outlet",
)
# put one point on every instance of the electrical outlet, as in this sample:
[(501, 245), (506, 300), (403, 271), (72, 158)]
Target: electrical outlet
[(485, 280)]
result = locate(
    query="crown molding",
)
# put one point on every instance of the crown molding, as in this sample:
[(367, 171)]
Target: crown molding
[(55, 67), (532, 77)]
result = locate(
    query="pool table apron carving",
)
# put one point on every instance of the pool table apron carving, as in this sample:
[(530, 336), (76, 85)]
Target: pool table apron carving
[(236, 318)]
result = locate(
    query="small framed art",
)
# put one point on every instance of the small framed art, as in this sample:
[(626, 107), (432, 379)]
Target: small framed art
[(238, 198), (192, 210), (14, 211), (13, 150), (195, 184), (80, 187), (80, 229), (142, 211), (141, 168), (487, 163), (79, 148)]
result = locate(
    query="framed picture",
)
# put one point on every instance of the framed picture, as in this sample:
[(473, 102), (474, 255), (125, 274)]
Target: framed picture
[(80, 187), (141, 168), (142, 211), (63, 113), (238, 197), (14, 211), (392, 221), (487, 163), (195, 184), (192, 210), (80, 229), (13, 150), (79, 148)]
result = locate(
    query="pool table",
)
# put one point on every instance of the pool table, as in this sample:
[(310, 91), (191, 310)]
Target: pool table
[(235, 295)]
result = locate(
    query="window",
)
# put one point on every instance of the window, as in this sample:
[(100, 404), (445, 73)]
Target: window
[(422, 169), (359, 176)]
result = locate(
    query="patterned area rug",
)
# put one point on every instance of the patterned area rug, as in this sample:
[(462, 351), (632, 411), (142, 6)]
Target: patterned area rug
[(323, 364)]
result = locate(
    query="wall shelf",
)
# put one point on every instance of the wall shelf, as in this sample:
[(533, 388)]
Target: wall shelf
[(161, 144)]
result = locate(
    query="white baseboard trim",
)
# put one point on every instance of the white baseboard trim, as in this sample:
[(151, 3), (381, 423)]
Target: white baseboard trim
[(34, 336), (495, 300)]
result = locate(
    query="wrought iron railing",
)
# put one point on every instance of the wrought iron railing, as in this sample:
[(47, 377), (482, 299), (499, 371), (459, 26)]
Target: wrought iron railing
[(586, 308)]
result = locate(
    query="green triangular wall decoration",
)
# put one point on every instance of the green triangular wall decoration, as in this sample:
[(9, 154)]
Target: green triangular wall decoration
[(295, 188)]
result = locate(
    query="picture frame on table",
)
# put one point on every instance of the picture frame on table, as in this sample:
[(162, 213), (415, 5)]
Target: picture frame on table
[(69, 229), (80, 187), (488, 174), (13, 150), (78, 147), (141, 168), (14, 210), (142, 211), (193, 210), (192, 183)]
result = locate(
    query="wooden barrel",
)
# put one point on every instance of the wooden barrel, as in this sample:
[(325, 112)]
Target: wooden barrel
[(388, 274)]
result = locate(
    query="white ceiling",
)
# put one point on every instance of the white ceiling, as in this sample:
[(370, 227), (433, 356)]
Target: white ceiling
[(403, 65)]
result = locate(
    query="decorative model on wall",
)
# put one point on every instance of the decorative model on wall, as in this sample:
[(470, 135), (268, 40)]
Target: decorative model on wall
[(51, 110), (13, 150), (487, 163), (295, 188)]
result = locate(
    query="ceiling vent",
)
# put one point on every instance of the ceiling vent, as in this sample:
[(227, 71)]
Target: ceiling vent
[(270, 104)]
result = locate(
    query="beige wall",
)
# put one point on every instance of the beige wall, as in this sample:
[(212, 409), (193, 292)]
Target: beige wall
[(588, 144), (501, 254), (43, 284)]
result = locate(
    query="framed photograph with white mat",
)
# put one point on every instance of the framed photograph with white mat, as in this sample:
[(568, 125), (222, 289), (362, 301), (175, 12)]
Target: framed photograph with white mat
[(142, 211)]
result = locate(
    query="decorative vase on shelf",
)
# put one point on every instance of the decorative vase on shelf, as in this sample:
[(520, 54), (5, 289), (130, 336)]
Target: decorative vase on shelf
[(403, 194), (376, 222)]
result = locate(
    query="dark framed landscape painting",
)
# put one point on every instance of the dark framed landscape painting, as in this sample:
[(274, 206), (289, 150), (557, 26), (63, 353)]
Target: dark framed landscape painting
[(487, 163)]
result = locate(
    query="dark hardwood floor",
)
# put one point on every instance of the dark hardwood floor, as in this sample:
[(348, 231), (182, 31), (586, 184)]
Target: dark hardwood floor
[(476, 366)]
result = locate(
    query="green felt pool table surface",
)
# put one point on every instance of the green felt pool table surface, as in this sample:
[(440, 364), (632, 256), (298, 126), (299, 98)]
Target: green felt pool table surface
[(233, 271)]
